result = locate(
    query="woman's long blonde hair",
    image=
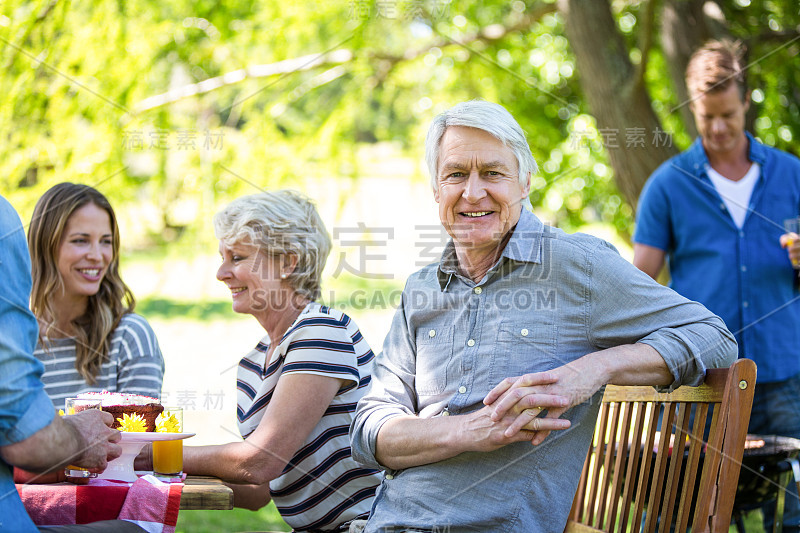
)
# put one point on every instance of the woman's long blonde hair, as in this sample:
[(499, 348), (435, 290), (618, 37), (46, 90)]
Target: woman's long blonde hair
[(104, 310)]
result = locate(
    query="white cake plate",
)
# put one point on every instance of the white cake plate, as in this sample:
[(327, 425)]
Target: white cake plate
[(121, 468)]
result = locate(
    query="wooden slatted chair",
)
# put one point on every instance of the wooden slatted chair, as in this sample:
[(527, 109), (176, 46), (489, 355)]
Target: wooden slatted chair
[(635, 477)]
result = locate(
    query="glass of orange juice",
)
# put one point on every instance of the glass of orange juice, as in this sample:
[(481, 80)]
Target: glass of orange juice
[(168, 454), (72, 406)]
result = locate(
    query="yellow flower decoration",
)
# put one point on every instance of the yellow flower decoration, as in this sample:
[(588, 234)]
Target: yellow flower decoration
[(60, 412), (132, 423), (168, 424)]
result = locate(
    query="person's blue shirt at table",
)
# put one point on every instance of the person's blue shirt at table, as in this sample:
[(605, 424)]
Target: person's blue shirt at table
[(31, 436), (24, 406)]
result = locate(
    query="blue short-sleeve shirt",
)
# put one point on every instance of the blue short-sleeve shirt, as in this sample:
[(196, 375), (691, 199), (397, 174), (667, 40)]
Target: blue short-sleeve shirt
[(742, 275)]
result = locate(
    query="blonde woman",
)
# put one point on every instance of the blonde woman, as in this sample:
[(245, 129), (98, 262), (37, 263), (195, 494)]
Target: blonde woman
[(89, 337), (298, 388)]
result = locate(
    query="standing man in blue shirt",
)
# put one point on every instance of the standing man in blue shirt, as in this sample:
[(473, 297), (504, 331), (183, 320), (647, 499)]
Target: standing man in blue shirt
[(516, 319), (716, 211), (31, 436)]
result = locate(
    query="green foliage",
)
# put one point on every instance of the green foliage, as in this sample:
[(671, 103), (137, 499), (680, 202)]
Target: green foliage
[(266, 519), (770, 31), (75, 77)]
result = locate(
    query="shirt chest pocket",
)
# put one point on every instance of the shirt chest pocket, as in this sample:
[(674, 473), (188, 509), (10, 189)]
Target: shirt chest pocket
[(434, 351), (523, 347), (778, 207)]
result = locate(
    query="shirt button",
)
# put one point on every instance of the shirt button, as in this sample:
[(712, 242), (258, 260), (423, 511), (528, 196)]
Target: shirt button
[(432, 333), (389, 477), (471, 343), (744, 268), (524, 332), (745, 304), (478, 290), (741, 234), (462, 389), (722, 206)]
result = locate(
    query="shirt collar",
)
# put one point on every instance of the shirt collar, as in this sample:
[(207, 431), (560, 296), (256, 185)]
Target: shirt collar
[(523, 246), (756, 152)]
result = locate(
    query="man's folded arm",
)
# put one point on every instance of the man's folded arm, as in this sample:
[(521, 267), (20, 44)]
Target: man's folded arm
[(689, 337), (387, 433)]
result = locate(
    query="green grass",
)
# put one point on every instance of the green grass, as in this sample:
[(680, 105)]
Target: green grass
[(268, 519), (265, 519), (347, 293), (200, 310), (753, 523)]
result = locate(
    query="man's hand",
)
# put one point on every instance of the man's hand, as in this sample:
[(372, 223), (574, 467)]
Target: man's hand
[(791, 241), (522, 397), (407, 441), (487, 429), (84, 439), (484, 433), (577, 381), (98, 443)]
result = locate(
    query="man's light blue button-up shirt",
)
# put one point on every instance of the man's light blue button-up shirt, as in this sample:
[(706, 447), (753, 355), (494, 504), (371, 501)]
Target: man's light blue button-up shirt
[(549, 300), (24, 406)]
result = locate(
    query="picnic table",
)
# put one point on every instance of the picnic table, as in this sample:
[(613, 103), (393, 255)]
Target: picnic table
[(206, 493), (148, 499)]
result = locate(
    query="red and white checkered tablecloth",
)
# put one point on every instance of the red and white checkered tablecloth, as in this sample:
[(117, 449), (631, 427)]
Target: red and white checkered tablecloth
[(150, 503)]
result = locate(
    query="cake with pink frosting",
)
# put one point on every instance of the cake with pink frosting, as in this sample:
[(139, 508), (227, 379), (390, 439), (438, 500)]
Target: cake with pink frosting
[(119, 404)]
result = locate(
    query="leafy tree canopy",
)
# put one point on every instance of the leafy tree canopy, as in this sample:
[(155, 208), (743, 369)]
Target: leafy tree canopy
[(177, 106)]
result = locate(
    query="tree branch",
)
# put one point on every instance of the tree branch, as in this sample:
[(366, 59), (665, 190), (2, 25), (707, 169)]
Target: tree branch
[(493, 32), (286, 66)]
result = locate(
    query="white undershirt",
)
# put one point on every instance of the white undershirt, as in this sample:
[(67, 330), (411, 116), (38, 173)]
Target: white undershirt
[(736, 194)]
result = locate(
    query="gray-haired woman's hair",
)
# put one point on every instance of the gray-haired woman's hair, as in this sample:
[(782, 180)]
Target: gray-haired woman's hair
[(280, 223), (489, 117)]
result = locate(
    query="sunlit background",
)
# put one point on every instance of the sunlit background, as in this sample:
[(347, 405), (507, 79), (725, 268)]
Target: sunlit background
[(174, 108)]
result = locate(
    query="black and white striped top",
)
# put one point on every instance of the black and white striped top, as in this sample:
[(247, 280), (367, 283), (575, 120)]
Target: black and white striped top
[(134, 365), (321, 487)]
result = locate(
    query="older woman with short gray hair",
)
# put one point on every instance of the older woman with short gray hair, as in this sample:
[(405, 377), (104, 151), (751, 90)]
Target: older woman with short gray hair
[(297, 389), (281, 223)]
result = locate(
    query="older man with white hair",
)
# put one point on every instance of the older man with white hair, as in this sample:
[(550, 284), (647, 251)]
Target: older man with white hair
[(509, 339)]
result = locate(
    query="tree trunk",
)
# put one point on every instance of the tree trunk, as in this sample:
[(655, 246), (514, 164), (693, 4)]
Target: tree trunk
[(620, 105)]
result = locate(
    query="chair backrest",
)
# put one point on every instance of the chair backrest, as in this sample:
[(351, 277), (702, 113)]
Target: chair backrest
[(637, 478)]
